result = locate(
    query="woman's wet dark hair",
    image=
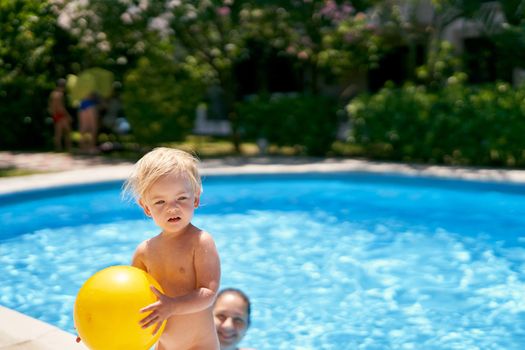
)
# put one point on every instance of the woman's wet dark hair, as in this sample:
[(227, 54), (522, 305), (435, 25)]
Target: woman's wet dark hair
[(242, 295)]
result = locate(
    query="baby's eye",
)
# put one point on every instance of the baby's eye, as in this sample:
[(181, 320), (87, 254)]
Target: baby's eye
[(221, 317), (159, 202), (182, 198)]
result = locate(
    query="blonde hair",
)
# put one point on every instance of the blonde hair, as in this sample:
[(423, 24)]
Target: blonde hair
[(160, 162)]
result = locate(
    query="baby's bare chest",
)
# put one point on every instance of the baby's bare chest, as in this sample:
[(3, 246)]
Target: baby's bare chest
[(173, 267)]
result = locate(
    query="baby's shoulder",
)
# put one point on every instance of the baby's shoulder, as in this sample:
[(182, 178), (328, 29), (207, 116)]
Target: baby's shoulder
[(141, 247), (145, 244), (203, 241), (201, 235)]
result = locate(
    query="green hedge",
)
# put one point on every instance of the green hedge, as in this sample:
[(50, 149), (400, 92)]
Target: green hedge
[(306, 121), (461, 125), (160, 101), (25, 122)]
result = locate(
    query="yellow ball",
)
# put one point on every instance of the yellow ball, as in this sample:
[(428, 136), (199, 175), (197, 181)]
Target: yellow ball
[(107, 308)]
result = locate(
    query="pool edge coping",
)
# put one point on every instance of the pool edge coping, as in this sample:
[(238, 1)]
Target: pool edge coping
[(104, 173), (22, 332)]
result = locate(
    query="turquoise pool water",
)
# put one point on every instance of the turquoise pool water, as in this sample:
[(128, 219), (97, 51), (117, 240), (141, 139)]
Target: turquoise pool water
[(340, 261)]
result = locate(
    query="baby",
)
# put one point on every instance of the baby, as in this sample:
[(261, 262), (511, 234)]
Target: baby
[(182, 257)]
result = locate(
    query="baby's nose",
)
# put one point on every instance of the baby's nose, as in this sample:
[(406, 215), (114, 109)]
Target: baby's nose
[(173, 207)]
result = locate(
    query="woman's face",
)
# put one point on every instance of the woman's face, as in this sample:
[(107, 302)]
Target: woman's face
[(231, 319)]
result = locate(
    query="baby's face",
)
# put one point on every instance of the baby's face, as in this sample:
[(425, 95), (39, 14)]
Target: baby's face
[(171, 202)]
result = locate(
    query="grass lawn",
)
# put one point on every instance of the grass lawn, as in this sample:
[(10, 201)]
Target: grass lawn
[(212, 147), (205, 147), (5, 172)]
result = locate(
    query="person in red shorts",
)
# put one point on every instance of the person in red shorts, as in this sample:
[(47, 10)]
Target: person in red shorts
[(61, 118)]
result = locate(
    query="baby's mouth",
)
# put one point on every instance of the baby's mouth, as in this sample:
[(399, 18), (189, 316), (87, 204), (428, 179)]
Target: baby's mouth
[(176, 219)]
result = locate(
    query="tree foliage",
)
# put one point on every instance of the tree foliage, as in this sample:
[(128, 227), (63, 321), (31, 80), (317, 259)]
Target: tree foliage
[(29, 39), (198, 43), (160, 109), (210, 37), (457, 125)]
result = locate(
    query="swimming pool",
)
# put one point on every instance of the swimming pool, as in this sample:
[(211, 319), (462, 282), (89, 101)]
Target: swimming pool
[(335, 261)]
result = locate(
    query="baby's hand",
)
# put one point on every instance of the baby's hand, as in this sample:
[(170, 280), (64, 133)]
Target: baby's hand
[(160, 311)]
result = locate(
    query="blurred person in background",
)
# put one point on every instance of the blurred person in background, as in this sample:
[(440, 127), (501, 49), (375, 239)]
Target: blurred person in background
[(88, 124), (61, 117)]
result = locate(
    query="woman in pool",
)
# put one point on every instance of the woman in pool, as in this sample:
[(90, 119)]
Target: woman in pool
[(232, 317)]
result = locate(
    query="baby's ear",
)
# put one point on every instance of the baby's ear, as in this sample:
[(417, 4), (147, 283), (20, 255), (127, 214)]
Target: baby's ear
[(144, 207), (197, 201)]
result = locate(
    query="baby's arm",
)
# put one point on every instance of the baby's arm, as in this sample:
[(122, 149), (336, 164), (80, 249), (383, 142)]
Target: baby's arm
[(137, 260), (207, 273)]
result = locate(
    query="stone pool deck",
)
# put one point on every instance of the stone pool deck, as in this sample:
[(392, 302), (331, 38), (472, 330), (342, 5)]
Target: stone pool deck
[(21, 332)]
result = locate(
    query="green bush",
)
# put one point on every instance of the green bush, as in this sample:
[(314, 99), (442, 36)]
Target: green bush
[(160, 101), (466, 125), (25, 122), (307, 121)]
